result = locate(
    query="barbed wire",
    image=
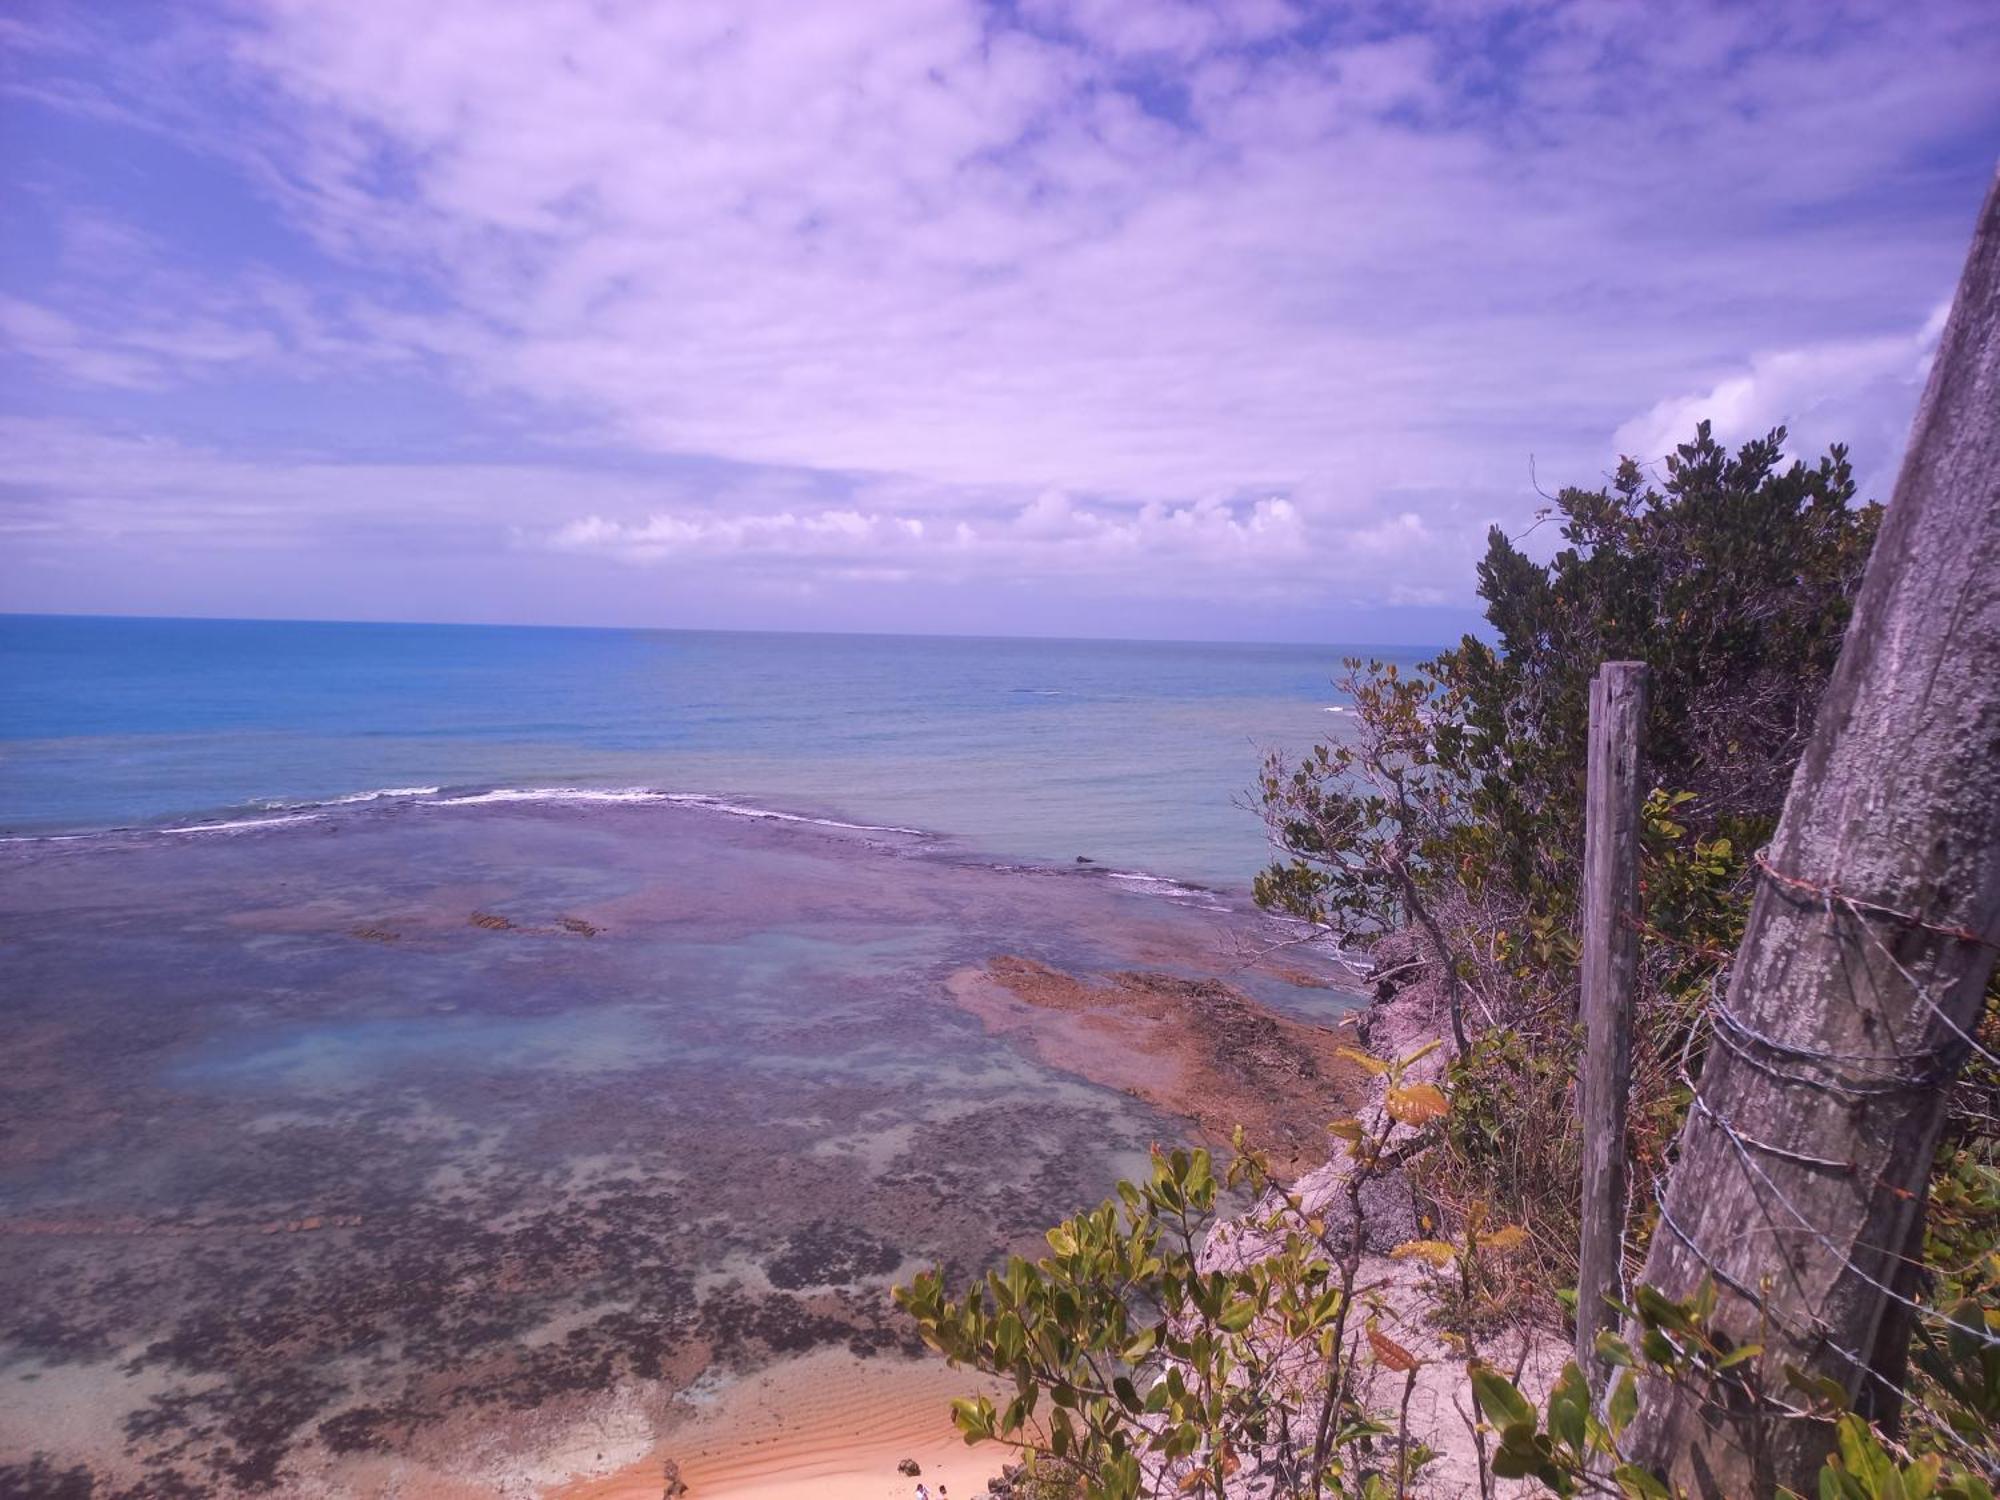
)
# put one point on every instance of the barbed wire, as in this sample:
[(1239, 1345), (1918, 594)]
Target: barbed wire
[(1817, 1334), (1733, 1032), (1829, 892), (1850, 1075), (1831, 896), (1979, 1335)]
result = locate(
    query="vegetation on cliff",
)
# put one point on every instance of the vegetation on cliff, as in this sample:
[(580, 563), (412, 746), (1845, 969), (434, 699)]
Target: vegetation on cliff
[(1454, 809), (1444, 832)]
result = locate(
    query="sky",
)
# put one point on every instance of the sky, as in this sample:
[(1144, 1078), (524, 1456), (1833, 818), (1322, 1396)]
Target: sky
[(1138, 318)]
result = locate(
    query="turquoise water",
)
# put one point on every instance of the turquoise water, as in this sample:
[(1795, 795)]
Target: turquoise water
[(1132, 753), (623, 1045), (407, 1130)]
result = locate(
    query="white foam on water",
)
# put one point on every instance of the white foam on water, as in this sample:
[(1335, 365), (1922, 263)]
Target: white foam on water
[(427, 796), (378, 794), (1173, 890), (744, 810), (237, 825), (552, 794)]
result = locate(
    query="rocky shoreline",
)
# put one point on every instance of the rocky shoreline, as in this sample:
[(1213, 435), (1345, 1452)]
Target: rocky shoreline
[(1399, 1021), (1197, 1048)]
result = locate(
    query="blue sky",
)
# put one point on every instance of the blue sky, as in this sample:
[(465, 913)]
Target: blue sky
[(1049, 317)]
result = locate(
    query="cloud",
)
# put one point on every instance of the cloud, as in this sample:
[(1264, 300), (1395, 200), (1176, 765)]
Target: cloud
[(911, 238), (1206, 549), (1100, 286), (1857, 391), (74, 490)]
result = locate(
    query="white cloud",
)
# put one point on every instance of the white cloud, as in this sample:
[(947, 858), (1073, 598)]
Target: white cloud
[(909, 238), (91, 490), (1858, 391), (1163, 295), (1181, 546)]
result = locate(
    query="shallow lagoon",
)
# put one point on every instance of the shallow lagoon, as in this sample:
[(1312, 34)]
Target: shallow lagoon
[(425, 1130)]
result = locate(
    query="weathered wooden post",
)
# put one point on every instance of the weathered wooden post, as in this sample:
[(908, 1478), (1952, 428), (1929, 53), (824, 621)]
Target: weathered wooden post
[(1612, 797), (1801, 1170)]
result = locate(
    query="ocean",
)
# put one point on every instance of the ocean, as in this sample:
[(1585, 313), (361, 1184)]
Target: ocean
[(1135, 753), (436, 1056)]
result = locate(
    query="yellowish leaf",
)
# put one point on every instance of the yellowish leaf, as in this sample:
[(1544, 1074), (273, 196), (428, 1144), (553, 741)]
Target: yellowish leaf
[(1431, 1252), (1347, 1130), (1504, 1241), (1415, 1103), (1363, 1061), (1392, 1354)]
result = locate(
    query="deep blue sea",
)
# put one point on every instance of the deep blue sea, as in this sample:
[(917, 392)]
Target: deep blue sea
[(1135, 754)]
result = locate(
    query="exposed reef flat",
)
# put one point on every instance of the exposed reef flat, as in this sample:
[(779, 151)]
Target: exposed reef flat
[(1196, 1048), (460, 1149)]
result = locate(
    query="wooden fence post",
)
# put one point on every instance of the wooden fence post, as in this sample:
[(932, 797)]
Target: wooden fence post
[(1798, 1183), (1611, 913)]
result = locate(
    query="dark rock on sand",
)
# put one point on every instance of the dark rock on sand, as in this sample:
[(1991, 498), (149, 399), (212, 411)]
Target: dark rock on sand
[(829, 1254)]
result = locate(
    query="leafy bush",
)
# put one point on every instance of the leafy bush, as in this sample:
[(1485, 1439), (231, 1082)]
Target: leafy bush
[(1454, 810), (1146, 1364), (1142, 1366)]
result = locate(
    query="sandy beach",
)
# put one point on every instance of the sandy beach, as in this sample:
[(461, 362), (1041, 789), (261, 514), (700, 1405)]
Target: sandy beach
[(826, 1426)]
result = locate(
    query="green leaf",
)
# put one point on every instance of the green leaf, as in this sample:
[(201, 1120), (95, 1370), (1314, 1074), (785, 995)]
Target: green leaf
[(1503, 1405), (1636, 1484), (1013, 1417), (1864, 1457), (1569, 1405), (1624, 1403), (1062, 1434), (1238, 1315), (1009, 1338), (973, 1416)]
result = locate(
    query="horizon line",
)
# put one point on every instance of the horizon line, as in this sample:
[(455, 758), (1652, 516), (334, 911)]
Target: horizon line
[(937, 635)]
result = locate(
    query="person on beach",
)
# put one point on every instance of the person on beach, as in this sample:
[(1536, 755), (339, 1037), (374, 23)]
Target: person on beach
[(922, 1493)]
